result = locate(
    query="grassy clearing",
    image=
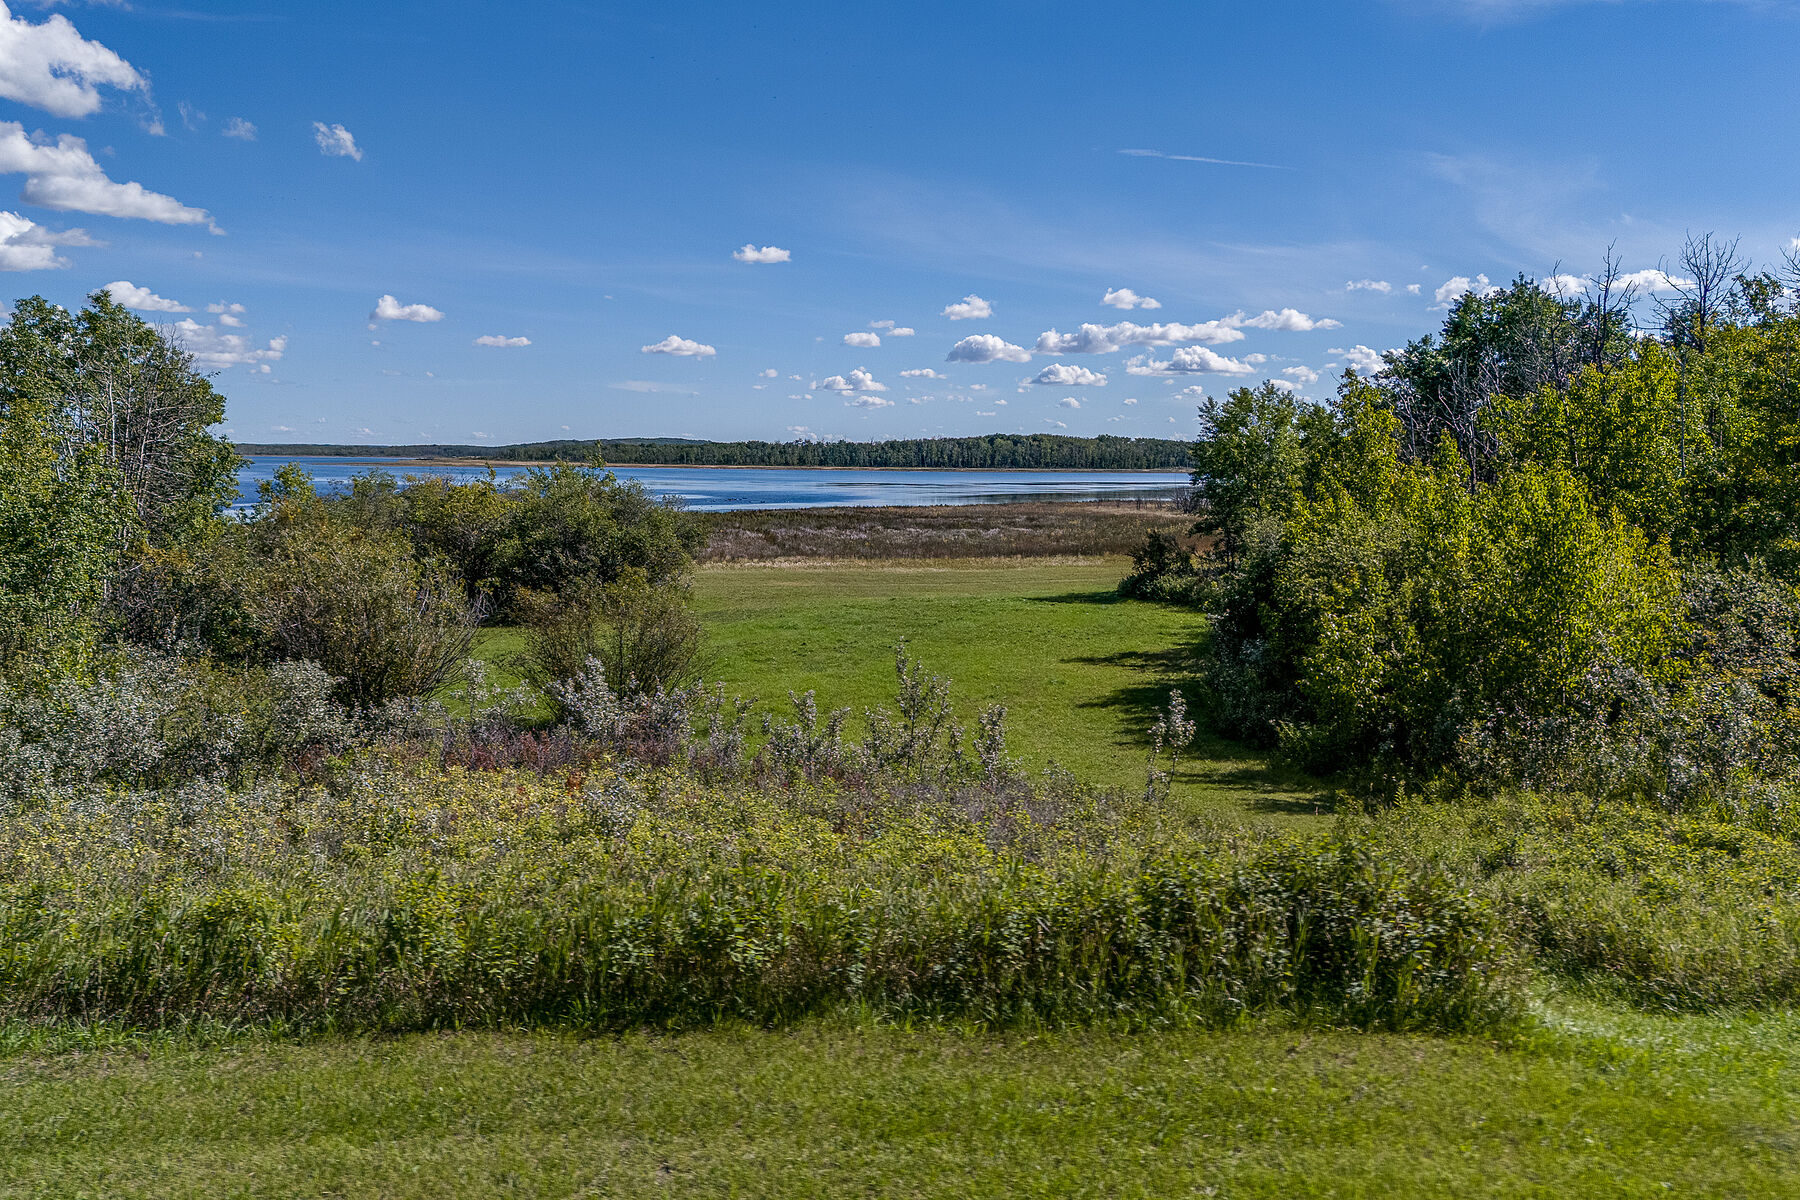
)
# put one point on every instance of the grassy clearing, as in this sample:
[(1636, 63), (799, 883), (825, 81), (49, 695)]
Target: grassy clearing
[(1644, 1107), (1080, 671)]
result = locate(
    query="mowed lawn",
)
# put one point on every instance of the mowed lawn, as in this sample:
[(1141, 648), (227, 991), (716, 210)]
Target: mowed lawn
[(1080, 671), (1636, 1107)]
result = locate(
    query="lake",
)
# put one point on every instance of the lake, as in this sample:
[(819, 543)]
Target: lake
[(719, 489)]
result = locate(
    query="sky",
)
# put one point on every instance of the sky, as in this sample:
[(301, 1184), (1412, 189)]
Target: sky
[(486, 223)]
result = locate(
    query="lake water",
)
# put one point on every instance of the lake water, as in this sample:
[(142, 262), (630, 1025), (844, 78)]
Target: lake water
[(718, 489)]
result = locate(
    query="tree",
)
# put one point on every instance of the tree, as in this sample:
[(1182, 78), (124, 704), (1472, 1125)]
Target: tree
[(1249, 462)]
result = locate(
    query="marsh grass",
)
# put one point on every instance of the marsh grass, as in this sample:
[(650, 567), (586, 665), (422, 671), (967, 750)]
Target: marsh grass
[(1026, 530)]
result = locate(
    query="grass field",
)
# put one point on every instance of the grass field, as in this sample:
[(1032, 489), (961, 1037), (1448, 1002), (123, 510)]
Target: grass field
[(1596, 1100), (1080, 671), (1633, 1106)]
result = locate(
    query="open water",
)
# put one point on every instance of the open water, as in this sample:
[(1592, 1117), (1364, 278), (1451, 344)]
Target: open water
[(718, 489)]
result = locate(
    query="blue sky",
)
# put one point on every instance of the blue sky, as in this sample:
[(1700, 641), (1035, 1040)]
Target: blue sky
[(465, 222)]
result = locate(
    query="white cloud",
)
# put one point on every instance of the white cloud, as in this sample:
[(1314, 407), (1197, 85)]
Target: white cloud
[(1104, 339), (1189, 360), (902, 331), (500, 340), (1564, 286), (865, 341), (1456, 286), (240, 129), (1055, 424), (750, 252), (1198, 158), (27, 246), (233, 314), (1068, 402), (389, 309), (1412, 289), (986, 347), (1653, 281), (336, 142), (768, 373), (921, 373), (64, 176), (1127, 299), (858, 380), (1130, 400), (143, 299), (869, 402), (1288, 320), (1256, 360), (1286, 385), (680, 347), (979, 413), (969, 308), (1365, 360), (1069, 375), (1303, 375), (52, 67), (217, 350), (1369, 285)]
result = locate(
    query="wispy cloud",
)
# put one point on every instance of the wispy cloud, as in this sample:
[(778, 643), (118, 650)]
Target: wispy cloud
[(1201, 158)]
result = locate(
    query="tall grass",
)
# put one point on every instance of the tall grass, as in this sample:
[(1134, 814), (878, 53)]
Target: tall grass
[(401, 900)]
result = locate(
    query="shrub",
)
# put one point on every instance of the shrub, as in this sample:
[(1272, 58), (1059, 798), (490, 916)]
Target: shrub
[(644, 636)]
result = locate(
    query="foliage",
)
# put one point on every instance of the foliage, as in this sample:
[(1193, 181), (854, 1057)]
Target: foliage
[(644, 637)]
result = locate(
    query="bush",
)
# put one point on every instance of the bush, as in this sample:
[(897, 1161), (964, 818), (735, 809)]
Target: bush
[(644, 636), (1162, 569)]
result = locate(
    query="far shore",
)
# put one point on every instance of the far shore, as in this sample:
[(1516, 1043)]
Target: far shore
[(550, 462)]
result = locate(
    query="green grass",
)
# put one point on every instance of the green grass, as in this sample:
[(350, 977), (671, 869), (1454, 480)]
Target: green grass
[(1080, 671), (1629, 1107)]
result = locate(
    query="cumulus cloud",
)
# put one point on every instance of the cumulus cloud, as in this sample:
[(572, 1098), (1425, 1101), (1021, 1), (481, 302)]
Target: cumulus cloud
[(768, 373), (1654, 281), (1189, 360), (336, 142), (1129, 400), (921, 373), (1288, 320), (1564, 286), (27, 246), (750, 252), (141, 298), (680, 347), (987, 347), (1068, 402), (1302, 375), (1365, 360), (893, 329), (389, 309), (240, 129), (1412, 289), (231, 314), (1104, 339), (869, 402), (858, 380), (52, 67), (64, 176), (215, 349), (866, 341), (1069, 375), (501, 340), (1055, 424), (1127, 299), (1369, 285), (1456, 286), (969, 308)]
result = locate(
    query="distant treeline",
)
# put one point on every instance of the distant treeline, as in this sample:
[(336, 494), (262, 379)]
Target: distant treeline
[(995, 451)]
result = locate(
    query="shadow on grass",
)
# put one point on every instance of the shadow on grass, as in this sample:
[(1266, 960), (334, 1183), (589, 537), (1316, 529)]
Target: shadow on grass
[(1213, 762), (1106, 597)]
